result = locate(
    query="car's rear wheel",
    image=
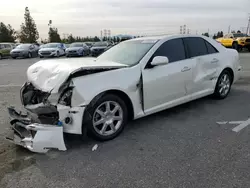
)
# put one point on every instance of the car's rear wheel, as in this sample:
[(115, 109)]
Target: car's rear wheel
[(235, 46), (106, 118), (223, 85)]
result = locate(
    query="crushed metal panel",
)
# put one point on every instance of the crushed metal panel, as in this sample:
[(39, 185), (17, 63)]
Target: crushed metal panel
[(33, 136)]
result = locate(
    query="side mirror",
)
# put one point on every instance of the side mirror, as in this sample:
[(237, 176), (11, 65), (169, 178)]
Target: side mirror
[(159, 60)]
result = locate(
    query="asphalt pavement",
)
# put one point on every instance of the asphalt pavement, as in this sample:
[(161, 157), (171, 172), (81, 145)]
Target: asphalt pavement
[(194, 145)]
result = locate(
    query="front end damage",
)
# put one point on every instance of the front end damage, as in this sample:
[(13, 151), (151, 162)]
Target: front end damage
[(53, 102), (41, 126), (34, 136)]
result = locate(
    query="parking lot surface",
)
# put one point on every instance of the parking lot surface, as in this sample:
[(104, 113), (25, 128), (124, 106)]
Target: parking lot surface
[(192, 145)]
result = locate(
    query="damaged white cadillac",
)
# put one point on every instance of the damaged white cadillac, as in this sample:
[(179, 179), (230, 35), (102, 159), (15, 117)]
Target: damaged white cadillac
[(133, 79)]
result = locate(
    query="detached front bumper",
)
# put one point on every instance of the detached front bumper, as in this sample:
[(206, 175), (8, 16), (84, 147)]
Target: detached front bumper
[(34, 136)]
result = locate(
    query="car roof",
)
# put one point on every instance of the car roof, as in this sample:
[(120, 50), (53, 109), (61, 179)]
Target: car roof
[(161, 37)]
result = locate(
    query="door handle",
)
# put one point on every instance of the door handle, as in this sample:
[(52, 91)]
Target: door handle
[(185, 69), (215, 60)]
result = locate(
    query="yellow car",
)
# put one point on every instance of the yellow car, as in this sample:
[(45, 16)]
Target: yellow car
[(236, 41)]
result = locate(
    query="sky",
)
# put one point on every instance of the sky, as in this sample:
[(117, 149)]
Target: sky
[(136, 17)]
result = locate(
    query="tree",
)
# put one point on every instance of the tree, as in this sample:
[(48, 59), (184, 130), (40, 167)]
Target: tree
[(28, 33), (7, 33), (53, 35), (71, 39), (96, 39), (104, 39), (205, 34)]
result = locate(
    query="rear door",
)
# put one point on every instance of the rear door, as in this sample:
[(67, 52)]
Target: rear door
[(205, 63)]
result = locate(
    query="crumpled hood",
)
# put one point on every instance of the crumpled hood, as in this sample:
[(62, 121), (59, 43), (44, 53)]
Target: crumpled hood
[(47, 49), (49, 75)]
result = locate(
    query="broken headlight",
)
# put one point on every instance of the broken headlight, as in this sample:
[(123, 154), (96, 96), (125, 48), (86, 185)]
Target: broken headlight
[(65, 98)]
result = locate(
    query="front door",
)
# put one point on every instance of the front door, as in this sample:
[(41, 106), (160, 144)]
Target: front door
[(165, 84)]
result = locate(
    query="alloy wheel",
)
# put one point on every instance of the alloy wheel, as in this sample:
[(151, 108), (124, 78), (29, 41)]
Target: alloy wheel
[(224, 85), (107, 118)]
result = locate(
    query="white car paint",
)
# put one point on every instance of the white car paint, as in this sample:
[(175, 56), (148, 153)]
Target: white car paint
[(162, 86), (52, 51), (49, 75)]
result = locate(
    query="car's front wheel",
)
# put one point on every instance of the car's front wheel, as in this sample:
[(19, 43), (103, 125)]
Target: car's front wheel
[(106, 118), (223, 85), (0, 56)]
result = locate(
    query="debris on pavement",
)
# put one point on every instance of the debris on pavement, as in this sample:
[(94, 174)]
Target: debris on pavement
[(95, 147)]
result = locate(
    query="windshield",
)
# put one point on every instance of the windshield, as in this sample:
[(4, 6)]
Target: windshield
[(100, 44), (128, 53), (76, 45), (51, 45), (239, 35), (23, 46)]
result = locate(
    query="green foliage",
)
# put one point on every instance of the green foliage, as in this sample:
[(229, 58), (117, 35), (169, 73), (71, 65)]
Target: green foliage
[(28, 33), (218, 35), (71, 39), (54, 35), (7, 33), (205, 34)]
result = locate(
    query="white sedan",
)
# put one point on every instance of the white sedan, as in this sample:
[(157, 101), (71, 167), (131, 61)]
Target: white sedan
[(133, 79), (52, 50)]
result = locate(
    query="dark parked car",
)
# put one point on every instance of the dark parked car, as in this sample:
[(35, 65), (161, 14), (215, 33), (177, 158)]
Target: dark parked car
[(98, 48), (24, 50), (77, 49)]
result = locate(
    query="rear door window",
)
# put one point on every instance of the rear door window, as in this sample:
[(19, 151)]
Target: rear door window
[(210, 48), (196, 46)]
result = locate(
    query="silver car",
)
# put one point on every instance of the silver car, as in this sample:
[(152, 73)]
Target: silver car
[(77, 49)]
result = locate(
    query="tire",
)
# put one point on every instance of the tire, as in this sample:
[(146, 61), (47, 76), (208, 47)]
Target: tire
[(29, 55), (92, 116), (13, 57), (235, 46), (41, 56), (57, 54), (1, 56), (224, 81), (248, 48)]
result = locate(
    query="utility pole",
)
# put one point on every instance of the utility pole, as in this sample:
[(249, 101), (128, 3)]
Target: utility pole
[(248, 25), (229, 28)]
